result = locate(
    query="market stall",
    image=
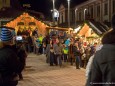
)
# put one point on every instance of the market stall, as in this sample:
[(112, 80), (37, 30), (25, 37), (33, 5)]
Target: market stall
[(59, 31), (88, 33), (27, 22)]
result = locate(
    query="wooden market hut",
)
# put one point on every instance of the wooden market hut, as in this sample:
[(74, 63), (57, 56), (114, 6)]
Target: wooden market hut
[(25, 21), (91, 30), (60, 30)]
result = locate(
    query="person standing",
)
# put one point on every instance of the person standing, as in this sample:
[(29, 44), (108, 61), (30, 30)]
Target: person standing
[(9, 62), (22, 55), (103, 67), (29, 43), (50, 53), (65, 53), (76, 52), (58, 52), (71, 54)]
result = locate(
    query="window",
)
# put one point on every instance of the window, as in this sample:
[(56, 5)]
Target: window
[(91, 11), (113, 6), (80, 16), (106, 9), (98, 10), (62, 18)]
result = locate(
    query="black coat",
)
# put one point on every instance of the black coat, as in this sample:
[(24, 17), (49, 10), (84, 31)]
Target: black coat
[(103, 67), (76, 51), (9, 63)]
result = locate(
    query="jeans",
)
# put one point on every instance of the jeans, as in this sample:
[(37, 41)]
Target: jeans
[(51, 58), (29, 48), (65, 57), (78, 62), (59, 60)]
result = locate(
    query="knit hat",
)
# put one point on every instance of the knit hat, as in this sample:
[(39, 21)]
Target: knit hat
[(6, 35)]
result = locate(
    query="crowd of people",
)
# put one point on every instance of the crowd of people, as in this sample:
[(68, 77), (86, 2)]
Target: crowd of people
[(58, 50), (99, 69), (70, 50)]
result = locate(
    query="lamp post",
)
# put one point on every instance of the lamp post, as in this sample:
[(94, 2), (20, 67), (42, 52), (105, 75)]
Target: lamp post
[(75, 17), (68, 13), (53, 12), (52, 15), (84, 14), (56, 15)]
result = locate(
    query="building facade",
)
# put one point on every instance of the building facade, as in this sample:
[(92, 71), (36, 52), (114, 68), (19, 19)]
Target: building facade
[(98, 10), (63, 15), (4, 3)]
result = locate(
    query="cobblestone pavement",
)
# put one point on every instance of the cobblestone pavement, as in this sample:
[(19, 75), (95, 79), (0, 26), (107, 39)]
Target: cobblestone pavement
[(39, 73)]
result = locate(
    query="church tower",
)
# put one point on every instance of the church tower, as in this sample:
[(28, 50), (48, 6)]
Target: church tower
[(4, 3)]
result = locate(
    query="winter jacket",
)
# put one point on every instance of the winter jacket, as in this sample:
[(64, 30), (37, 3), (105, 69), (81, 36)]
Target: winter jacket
[(57, 49), (103, 67), (89, 64), (9, 64), (76, 52), (48, 50), (22, 55)]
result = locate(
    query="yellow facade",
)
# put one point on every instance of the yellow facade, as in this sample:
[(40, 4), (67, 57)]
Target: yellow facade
[(4, 3)]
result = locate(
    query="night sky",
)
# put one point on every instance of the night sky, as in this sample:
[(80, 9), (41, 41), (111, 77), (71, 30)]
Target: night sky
[(45, 6)]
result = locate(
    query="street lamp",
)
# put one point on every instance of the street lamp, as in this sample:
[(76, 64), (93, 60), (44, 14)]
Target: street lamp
[(84, 14), (75, 16), (53, 11), (52, 15), (55, 15), (68, 13)]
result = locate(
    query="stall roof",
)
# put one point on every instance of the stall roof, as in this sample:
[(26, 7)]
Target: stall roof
[(98, 27)]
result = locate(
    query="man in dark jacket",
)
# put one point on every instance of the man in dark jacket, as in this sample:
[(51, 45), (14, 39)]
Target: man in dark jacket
[(103, 67), (76, 52), (9, 63)]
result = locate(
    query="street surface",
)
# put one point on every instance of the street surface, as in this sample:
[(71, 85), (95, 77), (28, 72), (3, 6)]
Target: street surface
[(39, 73)]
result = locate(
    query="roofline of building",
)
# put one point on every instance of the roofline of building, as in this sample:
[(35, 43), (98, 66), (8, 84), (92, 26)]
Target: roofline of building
[(84, 3)]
